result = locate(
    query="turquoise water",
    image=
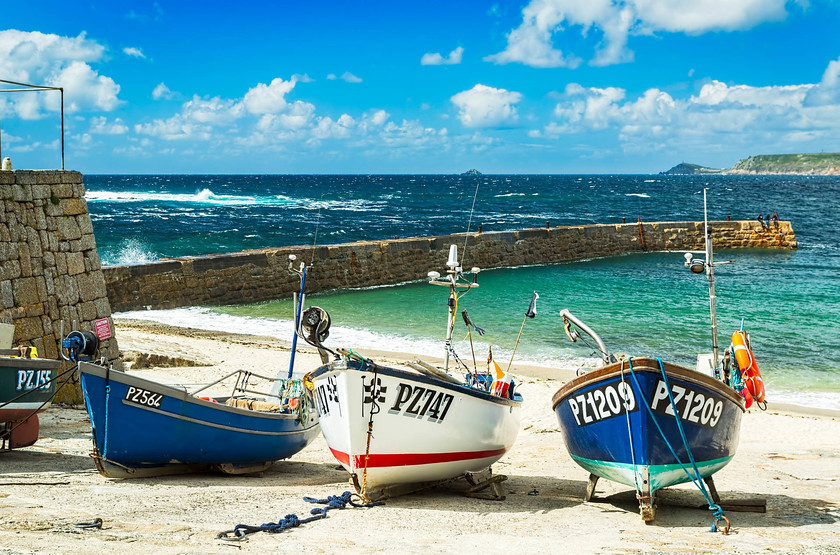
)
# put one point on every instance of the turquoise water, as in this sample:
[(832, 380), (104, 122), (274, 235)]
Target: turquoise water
[(641, 304)]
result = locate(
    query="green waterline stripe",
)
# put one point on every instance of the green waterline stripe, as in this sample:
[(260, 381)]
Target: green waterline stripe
[(660, 467), (653, 468)]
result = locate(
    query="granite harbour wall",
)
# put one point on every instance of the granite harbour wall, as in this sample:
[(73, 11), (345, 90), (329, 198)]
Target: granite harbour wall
[(50, 276), (259, 275)]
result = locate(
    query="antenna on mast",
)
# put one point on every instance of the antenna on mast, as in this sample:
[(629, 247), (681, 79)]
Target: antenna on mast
[(697, 266)]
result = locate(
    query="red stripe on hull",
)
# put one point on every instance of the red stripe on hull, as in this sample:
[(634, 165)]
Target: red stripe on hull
[(343, 458), (409, 459)]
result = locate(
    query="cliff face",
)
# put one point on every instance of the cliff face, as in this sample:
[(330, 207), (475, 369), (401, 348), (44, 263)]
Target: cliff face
[(770, 164), (793, 164)]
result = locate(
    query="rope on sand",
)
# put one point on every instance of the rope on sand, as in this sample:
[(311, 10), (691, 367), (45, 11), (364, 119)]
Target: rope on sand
[(241, 531)]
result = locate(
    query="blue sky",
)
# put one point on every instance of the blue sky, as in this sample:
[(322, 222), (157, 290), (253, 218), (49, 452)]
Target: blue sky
[(547, 86)]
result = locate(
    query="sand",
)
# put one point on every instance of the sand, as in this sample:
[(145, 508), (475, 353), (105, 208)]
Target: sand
[(789, 458)]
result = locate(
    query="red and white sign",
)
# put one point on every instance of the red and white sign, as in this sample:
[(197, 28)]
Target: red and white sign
[(103, 328)]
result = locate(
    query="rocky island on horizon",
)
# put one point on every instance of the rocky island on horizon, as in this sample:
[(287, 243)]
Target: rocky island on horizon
[(769, 164)]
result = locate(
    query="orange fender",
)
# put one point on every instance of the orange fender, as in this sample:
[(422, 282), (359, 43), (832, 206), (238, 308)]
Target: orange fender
[(748, 366)]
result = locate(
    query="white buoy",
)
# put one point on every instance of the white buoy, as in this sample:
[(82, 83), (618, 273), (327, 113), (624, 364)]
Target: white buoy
[(7, 164)]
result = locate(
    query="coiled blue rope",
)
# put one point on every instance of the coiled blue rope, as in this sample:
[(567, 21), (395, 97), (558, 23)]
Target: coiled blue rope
[(697, 480), (240, 531)]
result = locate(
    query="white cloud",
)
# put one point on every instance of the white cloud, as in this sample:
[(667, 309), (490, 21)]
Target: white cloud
[(717, 93), (607, 24), (268, 99), (377, 118), (701, 16), (484, 106), (134, 52), (435, 59), (197, 119), (326, 128), (296, 116), (591, 108), (101, 126), (266, 118), (346, 76), (163, 92), (777, 117), (53, 60), (84, 89), (828, 90)]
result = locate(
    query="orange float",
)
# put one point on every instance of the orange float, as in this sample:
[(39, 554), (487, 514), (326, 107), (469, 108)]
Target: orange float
[(748, 366), (748, 398)]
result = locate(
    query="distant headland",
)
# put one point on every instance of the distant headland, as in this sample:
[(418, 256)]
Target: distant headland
[(769, 164), (471, 171)]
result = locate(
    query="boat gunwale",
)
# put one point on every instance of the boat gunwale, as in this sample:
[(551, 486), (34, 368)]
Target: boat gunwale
[(180, 394), (415, 376), (16, 363), (645, 364)]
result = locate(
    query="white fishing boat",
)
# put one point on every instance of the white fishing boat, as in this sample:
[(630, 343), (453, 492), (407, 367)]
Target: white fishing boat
[(400, 429)]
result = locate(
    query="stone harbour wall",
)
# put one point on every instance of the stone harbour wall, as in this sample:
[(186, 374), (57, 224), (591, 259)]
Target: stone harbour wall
[(50, 275), (259, 275)]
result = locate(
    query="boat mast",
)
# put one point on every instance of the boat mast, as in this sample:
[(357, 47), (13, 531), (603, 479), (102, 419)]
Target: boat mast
[(453, 281), (710, 274), (452, 275)]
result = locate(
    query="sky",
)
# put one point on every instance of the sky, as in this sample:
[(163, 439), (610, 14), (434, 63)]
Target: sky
[(293, 87)]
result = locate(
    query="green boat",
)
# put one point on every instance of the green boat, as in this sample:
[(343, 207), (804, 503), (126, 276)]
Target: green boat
[(27, 387)]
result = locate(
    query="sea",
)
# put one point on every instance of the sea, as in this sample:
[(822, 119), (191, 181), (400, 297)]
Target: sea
[(640, 304)]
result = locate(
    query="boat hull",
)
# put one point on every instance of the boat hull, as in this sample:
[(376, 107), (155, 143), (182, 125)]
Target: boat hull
[(609, 431), (422, 429), (141, 428), (27, 387)]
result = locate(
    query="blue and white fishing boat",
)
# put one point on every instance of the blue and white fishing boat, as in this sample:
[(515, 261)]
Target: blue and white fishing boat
[(650, 424), (147, 428)]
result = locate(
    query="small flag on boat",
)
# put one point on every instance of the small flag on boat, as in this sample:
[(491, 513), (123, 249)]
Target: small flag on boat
[(501, 379), (470, 323), (532, 308)]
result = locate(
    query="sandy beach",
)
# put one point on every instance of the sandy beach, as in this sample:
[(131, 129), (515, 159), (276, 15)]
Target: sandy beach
[(787, 456)]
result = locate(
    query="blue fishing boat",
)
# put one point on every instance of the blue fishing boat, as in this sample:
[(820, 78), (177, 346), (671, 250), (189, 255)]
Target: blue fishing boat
[(619, 423), (650, 424), (146, 428)]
